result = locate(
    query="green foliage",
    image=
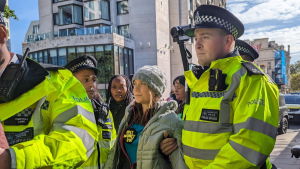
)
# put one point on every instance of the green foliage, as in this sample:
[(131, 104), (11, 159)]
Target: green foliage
[(295, 68), (295, 82), (8, 13)]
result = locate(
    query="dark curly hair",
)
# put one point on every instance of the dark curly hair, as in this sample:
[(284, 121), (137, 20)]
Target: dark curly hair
[(128, 97)]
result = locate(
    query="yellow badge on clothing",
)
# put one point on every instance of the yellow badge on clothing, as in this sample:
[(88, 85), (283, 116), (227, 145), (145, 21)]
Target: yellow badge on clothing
[(130, 135)]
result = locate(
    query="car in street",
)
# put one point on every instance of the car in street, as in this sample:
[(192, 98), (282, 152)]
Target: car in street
[(293, 104), (283, 123)]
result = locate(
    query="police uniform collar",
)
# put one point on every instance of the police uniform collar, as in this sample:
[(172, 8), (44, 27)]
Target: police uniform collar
[(225, 59), (211, 16), (232, 54)]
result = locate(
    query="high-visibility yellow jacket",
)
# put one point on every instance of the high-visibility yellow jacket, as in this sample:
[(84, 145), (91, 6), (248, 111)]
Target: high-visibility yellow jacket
[(52, 124), (235, 128), (106, 139)]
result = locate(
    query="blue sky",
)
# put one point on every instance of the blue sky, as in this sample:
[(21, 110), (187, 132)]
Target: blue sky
[(26, 11), (277, 19)]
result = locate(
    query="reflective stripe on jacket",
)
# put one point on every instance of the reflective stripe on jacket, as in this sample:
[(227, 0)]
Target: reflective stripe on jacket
[(234, 128), (61, 129)]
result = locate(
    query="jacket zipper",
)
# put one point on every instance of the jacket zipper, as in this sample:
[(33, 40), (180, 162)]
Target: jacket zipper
[(121, 140), (98, 155)]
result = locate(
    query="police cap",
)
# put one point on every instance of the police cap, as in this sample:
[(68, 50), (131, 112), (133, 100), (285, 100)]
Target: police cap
[(246, 49), (83, 62), (211, 16), (2, 6)]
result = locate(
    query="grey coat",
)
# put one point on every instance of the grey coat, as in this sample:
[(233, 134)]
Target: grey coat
[(149, 155)]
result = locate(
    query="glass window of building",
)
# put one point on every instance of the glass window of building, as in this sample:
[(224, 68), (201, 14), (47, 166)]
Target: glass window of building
[(40, 56), (55, 19), (45, 56), (124, 30), (54, 1), (62, 32), (131, 64), (90, 30), (105, 10), (91, 5), (121, 60), (116, 59), (86, 12), (99, 55), (62, 56), (190, 4), (36, 29), (71, 54), (89, 50), (99, 10), (71, 32), (80, 51), (91, 16), (126, 62), (122, 7), (34, 56), (70, 14), (30, 55), (109, 61), (53, 57)]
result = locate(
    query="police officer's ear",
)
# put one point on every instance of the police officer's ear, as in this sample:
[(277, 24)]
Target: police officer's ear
[(229, 42), (3, 34)]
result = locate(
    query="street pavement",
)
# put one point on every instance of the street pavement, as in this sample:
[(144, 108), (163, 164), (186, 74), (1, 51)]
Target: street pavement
[(281, 155)]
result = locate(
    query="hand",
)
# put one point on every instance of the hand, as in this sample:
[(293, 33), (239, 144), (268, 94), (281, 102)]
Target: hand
[(168, 145), (5, 159), (3, 141)]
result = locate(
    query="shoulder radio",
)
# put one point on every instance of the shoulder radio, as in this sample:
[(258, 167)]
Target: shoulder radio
[(11, 77)]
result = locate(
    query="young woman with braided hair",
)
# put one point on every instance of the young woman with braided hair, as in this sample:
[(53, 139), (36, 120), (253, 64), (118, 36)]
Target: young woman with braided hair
[(145, 124), (118, 97)]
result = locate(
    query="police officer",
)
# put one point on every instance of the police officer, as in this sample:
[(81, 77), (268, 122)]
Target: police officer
[(49, 122), (246, 51), (85, 70), (232, 118)]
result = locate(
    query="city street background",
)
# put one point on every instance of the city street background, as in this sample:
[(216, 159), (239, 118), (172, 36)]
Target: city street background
[(281, 155)]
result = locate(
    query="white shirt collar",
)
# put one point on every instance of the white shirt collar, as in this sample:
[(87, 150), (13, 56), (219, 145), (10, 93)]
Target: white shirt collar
[(13, 60)]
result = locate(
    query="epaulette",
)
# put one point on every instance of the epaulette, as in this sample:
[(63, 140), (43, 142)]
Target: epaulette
[(50, 67), (252, 69)]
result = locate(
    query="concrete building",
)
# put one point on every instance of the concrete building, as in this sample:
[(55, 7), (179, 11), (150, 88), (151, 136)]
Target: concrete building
[(123, 35), (270, 62), (8, 43)]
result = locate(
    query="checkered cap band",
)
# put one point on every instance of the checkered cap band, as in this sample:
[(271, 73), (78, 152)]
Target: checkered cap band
[(85, 62), (245, 50), (218, 21), (208, 94), (2, 18), (45, 105), (211, 94), (25, 113)]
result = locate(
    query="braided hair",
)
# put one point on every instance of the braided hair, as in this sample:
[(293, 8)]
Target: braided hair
[(128, 97)]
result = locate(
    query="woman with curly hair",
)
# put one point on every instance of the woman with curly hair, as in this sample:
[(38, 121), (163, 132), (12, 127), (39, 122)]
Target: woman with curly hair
[(118, 97)]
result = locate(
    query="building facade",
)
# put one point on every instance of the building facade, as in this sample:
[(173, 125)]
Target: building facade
[(123, 35), (7, 24), (274, 60)]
